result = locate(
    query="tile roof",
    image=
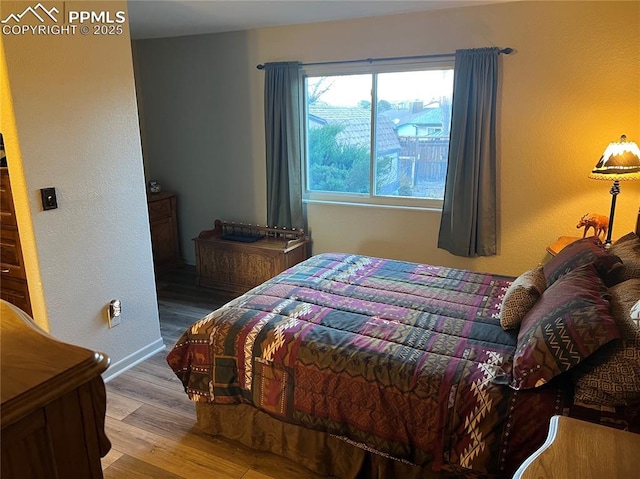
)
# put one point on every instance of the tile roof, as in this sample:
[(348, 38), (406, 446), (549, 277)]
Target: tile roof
[(428, 116), (357, 126)]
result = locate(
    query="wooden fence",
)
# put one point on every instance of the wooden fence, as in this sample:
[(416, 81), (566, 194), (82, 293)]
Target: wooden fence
[(423, 159)]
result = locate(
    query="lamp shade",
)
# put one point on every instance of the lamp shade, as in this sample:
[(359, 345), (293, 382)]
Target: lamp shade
[(620, 161)]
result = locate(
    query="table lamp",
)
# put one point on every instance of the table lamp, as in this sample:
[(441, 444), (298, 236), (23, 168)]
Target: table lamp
[(620, 161)]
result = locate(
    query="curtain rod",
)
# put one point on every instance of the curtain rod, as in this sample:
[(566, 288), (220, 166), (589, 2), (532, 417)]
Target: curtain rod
[(505, 51)]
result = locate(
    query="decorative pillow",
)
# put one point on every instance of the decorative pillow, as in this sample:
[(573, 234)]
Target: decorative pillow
[(568, 323), (578, 253), (611, 376), (521, 296), (632, 236), (627, 249)]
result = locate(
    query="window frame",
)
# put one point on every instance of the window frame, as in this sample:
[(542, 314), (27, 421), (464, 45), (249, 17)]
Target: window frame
[(373, 68)]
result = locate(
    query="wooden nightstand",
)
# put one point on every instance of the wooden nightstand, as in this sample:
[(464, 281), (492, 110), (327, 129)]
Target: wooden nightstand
[(557, 246), (580, 449), (164, 231)]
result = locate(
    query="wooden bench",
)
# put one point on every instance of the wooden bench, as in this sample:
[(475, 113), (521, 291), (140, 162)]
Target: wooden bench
[(237, 257)]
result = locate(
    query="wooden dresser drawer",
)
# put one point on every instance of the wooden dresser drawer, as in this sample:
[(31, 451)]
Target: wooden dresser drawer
[(7, 216), (11, 254), (13, 276), (159, 209), (16, 292)]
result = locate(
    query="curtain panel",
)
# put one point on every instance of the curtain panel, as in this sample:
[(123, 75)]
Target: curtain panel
[(468, 224), (282, 103)]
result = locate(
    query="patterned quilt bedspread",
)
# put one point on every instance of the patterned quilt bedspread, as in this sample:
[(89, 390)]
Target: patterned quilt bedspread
[(404, 359)]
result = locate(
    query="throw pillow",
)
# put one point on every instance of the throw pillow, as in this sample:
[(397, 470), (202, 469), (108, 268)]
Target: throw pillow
[(632, 236), (568, 323), (578, 253), (627, 249), (611, 376), (521, 296)]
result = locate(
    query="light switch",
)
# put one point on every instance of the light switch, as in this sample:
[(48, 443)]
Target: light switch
[(49, 200)]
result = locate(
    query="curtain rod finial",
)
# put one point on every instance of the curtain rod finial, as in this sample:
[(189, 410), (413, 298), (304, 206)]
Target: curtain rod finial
[(260, 67), (507, 50)]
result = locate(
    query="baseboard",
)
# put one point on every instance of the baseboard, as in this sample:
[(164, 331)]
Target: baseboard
[(116, 369)]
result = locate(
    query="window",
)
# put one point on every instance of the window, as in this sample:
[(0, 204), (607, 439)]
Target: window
[(378, 134)]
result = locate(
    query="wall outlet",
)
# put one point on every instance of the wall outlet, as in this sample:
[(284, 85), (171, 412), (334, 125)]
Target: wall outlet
[(114, 310)]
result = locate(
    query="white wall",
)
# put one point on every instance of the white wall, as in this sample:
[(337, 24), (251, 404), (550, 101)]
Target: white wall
[(572, 86), (75, 127), (199, 141)]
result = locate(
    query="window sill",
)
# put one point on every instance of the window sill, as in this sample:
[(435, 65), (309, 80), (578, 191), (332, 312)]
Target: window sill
[(437, 209)]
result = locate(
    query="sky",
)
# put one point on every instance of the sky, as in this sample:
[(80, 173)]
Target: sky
[(349, 90)]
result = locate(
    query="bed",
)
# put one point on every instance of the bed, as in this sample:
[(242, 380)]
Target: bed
[(356, 366)]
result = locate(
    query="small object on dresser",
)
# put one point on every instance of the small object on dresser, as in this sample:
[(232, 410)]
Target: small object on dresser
[(154, 186), (599, 223)]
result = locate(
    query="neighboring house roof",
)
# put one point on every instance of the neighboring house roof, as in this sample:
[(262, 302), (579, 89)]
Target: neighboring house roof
[(357, 126), (426, 117)]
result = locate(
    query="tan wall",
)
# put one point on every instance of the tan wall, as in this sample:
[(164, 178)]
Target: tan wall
[(572, 86), (73, 125)]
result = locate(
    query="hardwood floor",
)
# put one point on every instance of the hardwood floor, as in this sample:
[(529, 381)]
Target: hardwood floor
[(151, 422)]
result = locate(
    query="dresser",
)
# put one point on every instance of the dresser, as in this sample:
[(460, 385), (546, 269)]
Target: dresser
[(583, 450), (13, 282), (236, 257), (163, 221), (53, 404)]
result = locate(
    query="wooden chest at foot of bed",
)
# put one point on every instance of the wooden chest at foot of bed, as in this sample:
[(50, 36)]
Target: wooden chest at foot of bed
[(236, 257)]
